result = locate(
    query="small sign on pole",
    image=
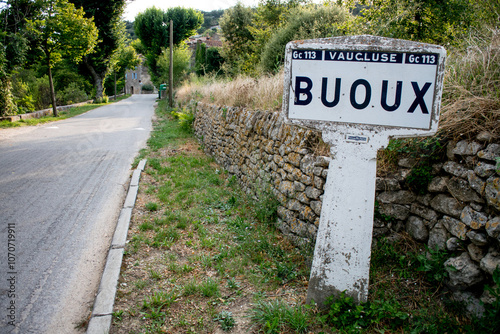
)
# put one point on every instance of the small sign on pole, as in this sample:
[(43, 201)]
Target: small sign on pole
[(359, 91)]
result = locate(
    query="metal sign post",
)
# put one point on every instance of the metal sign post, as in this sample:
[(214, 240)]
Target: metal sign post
[(359, 91)]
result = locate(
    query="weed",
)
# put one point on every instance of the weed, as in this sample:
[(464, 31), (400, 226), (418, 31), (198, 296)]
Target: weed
[(165, 237), (190, 288), (146, 226), (432, 264), (345, 314), (226, 320), (209, 288), (141, 284), (232, 284), (277, 317), (185, 117), (159, 300), (151, 206), (490, 321), (155, 275), (118, 315)]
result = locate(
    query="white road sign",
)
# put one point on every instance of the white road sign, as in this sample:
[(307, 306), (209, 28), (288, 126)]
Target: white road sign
[(385, 86), (359, 91)]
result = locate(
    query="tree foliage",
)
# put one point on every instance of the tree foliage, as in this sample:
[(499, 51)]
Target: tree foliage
[(235, 26), (152, 28), (181, 60), (63, 31), (14, 46), (304, 23), (431, 21), (107, 18)]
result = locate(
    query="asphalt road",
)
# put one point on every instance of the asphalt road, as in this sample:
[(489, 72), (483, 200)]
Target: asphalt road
[(62, 185)]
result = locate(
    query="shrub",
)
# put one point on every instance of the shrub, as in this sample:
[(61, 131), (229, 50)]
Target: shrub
[(304, 23), (73, 93), (148, 87)]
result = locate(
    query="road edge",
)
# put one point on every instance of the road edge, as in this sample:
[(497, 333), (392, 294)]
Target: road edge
[(102, 312)]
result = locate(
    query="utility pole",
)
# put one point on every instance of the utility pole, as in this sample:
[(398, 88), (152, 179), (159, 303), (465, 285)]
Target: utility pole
[(171, 69)]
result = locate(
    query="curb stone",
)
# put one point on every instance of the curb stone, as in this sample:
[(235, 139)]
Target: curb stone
[(102, 313)]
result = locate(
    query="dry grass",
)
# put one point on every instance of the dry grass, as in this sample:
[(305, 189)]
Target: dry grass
[(264, 93), (471, 98)]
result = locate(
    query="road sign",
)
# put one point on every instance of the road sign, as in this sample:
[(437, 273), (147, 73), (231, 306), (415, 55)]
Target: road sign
[(359, 91)]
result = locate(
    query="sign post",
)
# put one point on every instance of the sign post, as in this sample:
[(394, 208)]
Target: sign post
[(359, 91)]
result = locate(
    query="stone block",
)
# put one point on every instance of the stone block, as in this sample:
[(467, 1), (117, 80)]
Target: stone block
[(484, 169), (490, 262), (455, 227), (438, 184), (453, 244), (493, 227), (492, 192), (461, 190), (463, 272), (474, 219), (455, 169), (286, 188), (438, 236), (415, 227), (478, 238), (387, 184), (396, 197), (316, 207), (424, 212), (397, 211), (476, 182), (465, 147), (447, 205), (313, 193), (491, 152)]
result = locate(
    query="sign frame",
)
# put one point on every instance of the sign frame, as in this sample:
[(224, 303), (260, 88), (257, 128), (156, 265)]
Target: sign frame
[(365, 43)]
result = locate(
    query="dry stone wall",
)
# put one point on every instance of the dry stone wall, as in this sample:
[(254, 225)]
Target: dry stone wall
[(459, 212), (267, 155)]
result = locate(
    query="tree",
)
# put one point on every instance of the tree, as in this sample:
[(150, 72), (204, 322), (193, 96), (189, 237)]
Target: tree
[(181, 60), (200, 58), (14, 45), (107, 17), (304, 23), (431, 21), (125, 58), (63, 31), (237, 39), (152, 28)]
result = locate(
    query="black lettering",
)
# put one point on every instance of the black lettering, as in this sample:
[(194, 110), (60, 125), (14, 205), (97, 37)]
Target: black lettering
[(397, 101), (419, 97), (368, 95), (324, 92), (306, 91)]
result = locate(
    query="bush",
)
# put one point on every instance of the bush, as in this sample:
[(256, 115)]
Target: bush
[(73, 93), (148, 87), (103, 99), (304, 23), (182, 59)]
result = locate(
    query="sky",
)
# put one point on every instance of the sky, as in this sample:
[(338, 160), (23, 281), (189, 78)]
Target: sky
[(135, 7)]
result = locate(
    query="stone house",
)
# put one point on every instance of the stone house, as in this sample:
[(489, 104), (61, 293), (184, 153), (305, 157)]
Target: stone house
[(136, 78)]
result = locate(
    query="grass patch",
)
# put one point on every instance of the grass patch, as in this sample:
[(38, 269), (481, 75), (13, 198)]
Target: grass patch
[(216, 251)]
